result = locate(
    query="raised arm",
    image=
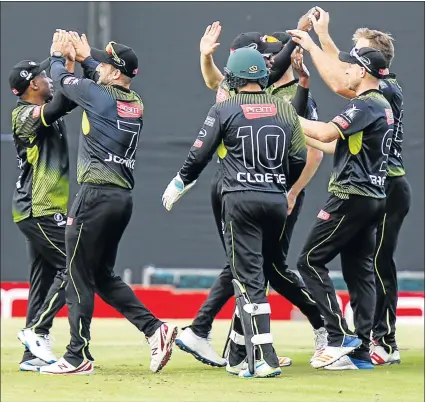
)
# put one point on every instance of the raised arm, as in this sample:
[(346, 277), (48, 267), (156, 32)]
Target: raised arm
[(208, 44)]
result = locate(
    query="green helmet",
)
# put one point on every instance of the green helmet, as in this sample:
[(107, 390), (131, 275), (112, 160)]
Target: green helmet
[(246, 65)]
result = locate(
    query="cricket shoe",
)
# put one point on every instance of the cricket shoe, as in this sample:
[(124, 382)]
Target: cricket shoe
[(285, 361), (320, 341), (62, 367), (32, 364), (261, 370), (161, 344), (333, 353), (349, 363), (39, 345), (236, 370), (380, 357), (200, 348)]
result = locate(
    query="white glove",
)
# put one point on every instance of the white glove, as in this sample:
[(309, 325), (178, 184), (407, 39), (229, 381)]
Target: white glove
[(174, 191)]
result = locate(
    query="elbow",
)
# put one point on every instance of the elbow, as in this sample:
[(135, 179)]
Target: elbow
[(315, 155), (213, 85)]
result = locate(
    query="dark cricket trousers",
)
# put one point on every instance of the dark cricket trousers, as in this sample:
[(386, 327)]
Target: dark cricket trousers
[(45, 238), (254, 223), (398, 200), (345, 227), (96, 223), (285, 282)]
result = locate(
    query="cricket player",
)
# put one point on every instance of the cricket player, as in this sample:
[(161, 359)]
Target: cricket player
[(347, 224), (111, 125), (194, 339), (261, 143), (40, 199), (384, 349)]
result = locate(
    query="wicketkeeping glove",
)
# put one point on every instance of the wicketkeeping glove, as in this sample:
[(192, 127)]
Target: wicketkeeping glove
[(174, 191)]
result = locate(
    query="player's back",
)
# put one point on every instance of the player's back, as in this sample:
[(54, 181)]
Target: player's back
[(262, 141), (111, 126), (392, 91)]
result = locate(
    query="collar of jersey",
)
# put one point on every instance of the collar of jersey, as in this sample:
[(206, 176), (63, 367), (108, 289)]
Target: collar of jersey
[(289, 84), (369, 91), (251, 92), (122, 88)]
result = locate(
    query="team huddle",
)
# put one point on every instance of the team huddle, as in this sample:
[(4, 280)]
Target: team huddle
[(269, 142)]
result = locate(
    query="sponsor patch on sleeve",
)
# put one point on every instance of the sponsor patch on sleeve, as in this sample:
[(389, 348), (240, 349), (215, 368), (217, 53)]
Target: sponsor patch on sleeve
[(198, 143), (70, 221), (131, 110), (325, 216), (389, 116), (341, 122), (36, 112), (70, 81), (257, 111), (209, 121), (221, 95)]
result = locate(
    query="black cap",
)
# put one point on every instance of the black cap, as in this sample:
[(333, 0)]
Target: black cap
[(283, 37), (23, 72), (255, 41), (371, 59), (122, 57)]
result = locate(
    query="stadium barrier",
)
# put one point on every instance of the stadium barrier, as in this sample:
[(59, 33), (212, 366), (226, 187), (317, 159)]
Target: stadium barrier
[(169, 302)]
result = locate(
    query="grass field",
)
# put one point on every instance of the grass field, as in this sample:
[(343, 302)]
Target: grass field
[(122, 371)]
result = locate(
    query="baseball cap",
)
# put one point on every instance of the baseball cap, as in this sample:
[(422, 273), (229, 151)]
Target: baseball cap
[(23, 72), (122, 57), (255, 41), (371, 59)]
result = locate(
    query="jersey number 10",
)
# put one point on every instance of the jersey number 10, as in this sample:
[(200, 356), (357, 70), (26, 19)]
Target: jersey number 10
[(266, 146)]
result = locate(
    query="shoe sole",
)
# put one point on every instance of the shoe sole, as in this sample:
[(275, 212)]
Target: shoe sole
[(271, 375), (22, 339), (75, 372), (169, 352), (387, 363), (200, 358), (30, 369)]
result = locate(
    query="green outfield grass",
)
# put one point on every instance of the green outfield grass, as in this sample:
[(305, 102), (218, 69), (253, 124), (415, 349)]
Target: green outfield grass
[(122, 371)]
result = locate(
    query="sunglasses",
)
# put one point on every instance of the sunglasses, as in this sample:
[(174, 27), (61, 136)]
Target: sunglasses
[(363, 60), (118, 61)]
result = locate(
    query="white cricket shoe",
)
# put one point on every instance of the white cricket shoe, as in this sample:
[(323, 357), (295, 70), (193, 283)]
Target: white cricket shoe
[(262, 370), (62, 367), (349, 363), (380, 357), (200, 348), (320, 341), (39, 345), (32, 364), (285, 361), (161, 344), (235, 370), (333, 353)]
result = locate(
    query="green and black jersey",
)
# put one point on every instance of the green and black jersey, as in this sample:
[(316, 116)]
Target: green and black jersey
[(288, 93), (40, 139), (393, 94), (261, 143), (361, 156), (111, 125)]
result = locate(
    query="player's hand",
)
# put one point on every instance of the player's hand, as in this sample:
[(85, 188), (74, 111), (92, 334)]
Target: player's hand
[(291, 202), (174, 191), (59, 42), (81, 46), (305, 23), (302, 39), (70, 52), (208, 43), (297, 63), (320, 24)]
